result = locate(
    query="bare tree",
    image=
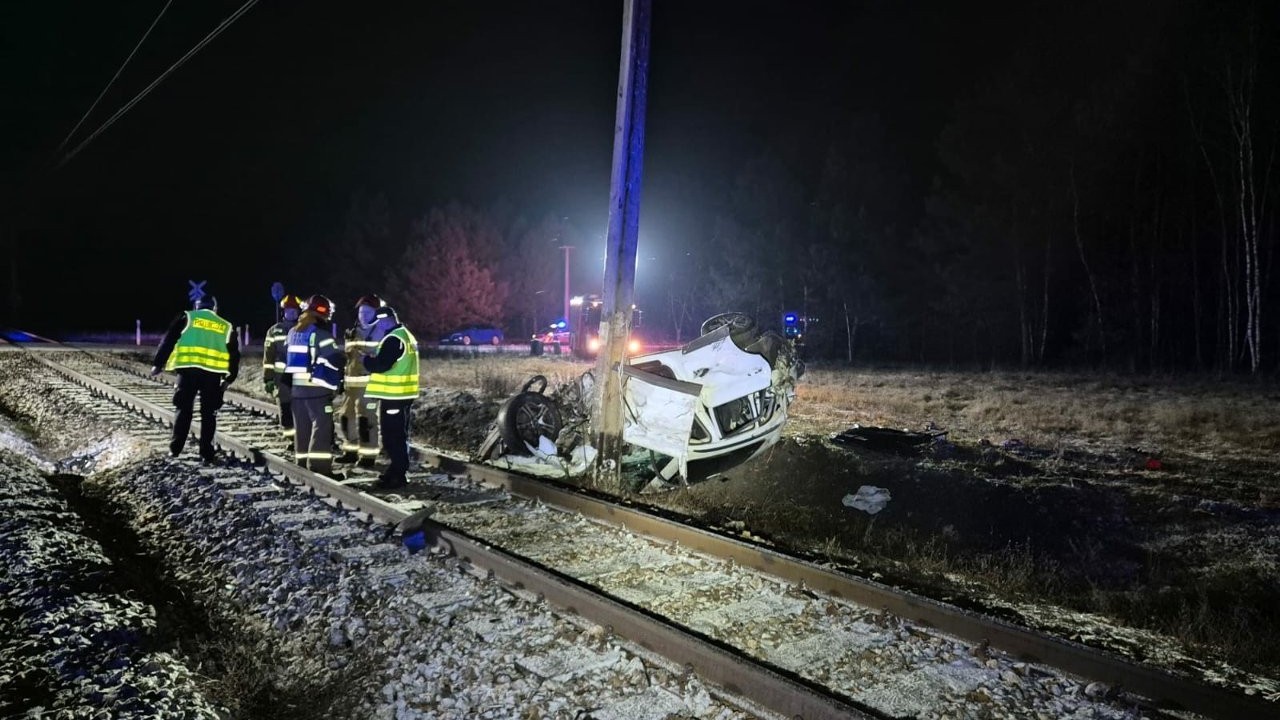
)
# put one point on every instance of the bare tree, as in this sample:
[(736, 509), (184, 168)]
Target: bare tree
[(1250, 203)]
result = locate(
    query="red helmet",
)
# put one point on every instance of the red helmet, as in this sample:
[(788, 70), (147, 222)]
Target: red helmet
[(319, 305), (372, 301), (290, 301)]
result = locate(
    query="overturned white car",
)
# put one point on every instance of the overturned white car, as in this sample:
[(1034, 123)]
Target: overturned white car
[(690, 413)]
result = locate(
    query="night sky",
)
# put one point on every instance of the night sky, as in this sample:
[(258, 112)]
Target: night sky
[(240, 168), (246, 156)]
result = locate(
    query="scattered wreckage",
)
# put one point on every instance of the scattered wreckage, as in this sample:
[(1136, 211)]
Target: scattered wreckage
[(689, 414)]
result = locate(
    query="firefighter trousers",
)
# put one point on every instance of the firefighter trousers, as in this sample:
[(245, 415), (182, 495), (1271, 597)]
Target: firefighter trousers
[(313, 443), (358, 419), (284, 398)]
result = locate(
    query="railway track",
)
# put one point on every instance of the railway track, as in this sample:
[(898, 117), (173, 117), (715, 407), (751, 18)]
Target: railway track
[(787, 634)]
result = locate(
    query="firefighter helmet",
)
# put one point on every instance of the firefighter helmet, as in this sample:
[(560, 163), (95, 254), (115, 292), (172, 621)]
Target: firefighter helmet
[(290, 302), (372, 301), (320, 305)]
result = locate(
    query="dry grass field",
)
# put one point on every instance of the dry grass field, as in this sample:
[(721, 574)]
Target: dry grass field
[(1216, 419), (1235, 419)]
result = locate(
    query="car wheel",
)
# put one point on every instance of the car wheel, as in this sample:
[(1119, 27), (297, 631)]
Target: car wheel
[(496, 340), (466, 339), (527, 417), (742, 327)]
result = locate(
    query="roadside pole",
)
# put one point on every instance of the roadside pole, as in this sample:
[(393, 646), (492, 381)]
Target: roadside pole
[(620, 244), (573, 325)]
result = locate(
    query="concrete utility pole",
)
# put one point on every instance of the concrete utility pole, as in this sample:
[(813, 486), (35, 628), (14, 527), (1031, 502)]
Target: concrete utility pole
[(620, 244)]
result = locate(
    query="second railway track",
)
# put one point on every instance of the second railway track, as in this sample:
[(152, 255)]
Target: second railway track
[(785, 633)]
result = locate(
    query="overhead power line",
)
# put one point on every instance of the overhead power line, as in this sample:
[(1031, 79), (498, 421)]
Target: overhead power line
[(190, 53), (113, 79)]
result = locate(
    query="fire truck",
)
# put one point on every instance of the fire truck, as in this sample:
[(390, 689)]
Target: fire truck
[(584, 341)]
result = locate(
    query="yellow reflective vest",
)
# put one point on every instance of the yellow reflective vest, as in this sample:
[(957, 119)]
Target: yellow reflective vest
[(203, 343), (401, 381)]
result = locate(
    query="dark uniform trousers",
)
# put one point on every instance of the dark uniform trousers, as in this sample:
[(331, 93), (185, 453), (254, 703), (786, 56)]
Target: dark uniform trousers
[(393, 417), (313, 423), (208, 385)]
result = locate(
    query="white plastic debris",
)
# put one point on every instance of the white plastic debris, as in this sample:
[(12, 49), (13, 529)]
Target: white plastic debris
[(869, 499), (546, 447)]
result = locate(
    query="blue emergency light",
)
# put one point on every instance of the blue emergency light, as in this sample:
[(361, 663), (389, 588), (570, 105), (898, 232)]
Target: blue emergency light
[(792, 328)]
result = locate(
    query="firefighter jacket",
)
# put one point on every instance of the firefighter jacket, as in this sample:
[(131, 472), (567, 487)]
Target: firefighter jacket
[(394, 370), (313, 358), (203, 340), (274, 351), (357, 346)]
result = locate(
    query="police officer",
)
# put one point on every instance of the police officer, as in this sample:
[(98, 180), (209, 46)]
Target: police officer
[(358, 415), (393, 380), (274, 351), (315, 362), (202, 348)]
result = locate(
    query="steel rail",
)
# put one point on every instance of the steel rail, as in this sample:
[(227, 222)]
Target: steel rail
[(712, 661)]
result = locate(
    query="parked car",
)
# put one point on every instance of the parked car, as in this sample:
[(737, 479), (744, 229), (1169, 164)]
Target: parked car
[(474, 335)]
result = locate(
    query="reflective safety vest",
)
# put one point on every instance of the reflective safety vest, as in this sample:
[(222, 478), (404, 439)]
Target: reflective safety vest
[(305, 359), (401, 381), (203, 344)]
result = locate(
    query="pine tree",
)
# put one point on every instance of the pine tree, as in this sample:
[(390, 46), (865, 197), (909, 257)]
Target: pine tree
[(442, 283)]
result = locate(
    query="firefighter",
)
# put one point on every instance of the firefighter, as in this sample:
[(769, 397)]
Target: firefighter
[(358, 416), (201, 346), (315, 363), (393, 381), (274, 350)]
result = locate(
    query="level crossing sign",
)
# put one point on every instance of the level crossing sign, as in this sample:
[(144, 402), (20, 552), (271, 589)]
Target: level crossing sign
[(196, 293)]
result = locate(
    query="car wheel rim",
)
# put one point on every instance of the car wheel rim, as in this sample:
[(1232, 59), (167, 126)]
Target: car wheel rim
[(533, 421)]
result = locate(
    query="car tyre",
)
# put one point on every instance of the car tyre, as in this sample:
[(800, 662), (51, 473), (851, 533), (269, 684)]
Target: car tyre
[(495, 340), (466, 339), (525, 417), (742, 327)]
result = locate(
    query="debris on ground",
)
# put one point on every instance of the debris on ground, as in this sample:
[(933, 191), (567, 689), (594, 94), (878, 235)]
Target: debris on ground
[(888, 440), (869, 499)]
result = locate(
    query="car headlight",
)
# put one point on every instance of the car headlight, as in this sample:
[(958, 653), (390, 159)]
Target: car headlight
[(633, 346)]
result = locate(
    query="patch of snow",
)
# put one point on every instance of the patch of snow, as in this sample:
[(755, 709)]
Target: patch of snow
[(653, 704), (569, 662)]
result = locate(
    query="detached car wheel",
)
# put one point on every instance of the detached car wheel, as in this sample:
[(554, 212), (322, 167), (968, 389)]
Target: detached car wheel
[(528, 416)]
